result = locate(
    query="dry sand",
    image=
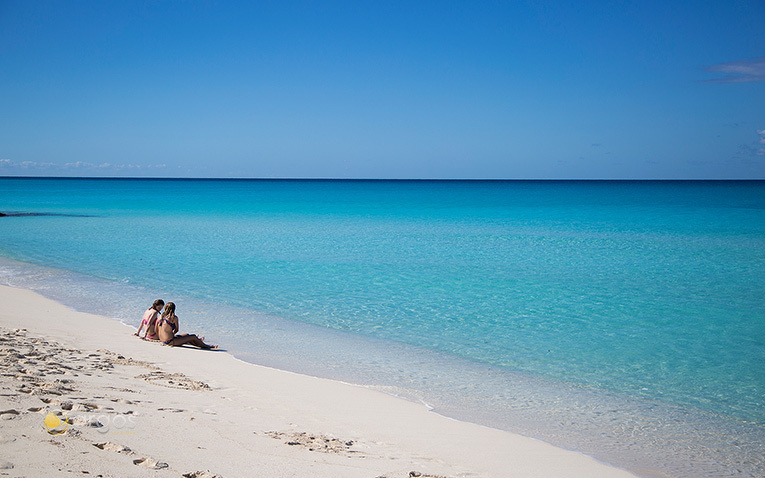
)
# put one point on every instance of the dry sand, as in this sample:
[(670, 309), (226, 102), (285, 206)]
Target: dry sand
[(128, 407)]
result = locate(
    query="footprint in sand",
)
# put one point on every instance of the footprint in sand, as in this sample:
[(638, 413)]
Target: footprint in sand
[(201, 474), (86, 407), (145, 462), (173, 380), (82, 421), (25, 389), (125, 401), (318, 443), (150, 463), (109, 446)]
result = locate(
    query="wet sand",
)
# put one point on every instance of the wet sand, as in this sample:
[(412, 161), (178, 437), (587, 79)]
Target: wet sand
[(80, 395)]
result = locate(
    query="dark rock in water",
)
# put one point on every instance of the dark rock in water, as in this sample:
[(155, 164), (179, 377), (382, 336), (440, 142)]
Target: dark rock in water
[(19, 214)]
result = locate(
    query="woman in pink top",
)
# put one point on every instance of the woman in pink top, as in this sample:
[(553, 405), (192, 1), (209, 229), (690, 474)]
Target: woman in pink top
[(150, 320)]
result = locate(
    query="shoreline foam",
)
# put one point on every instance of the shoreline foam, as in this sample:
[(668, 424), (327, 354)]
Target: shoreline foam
[(254, 421), (650, 438)]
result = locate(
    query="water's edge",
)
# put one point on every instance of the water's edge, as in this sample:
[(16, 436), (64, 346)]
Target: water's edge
[(649, 438)]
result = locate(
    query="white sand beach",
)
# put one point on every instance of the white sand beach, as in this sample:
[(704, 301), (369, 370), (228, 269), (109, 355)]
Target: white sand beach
[(138, 408)]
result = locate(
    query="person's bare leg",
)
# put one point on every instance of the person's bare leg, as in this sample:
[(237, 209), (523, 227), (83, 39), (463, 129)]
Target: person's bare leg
[(197, 342), (191, 339)]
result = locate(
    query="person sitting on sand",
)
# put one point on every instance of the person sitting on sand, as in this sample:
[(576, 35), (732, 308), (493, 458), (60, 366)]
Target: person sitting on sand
[(150, 320), (167, 329)]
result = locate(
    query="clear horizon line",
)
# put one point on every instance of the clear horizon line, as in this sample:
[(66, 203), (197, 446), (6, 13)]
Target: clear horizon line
[(361, 179)]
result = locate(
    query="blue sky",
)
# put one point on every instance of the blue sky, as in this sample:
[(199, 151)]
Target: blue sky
[(499, 89)]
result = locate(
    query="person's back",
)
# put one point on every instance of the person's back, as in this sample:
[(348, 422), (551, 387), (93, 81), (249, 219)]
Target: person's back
[(150, 316), (166, 327)]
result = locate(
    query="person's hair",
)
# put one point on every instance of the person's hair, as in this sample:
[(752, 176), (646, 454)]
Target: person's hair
[(169, 310), (157, 302)]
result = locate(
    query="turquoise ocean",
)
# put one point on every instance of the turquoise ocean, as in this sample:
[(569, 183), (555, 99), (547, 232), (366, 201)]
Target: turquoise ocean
[(621, 319)]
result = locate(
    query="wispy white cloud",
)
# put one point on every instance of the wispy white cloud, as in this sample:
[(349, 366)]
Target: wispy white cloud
[(78, 164), (742, 71), (83, 167), (753, 151), (7, 163)]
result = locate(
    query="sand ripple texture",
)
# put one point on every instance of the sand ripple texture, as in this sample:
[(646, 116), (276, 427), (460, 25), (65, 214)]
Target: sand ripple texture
[(69, 412)]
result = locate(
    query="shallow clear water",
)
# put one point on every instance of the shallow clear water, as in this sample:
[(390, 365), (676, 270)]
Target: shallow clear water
[(622, 319)]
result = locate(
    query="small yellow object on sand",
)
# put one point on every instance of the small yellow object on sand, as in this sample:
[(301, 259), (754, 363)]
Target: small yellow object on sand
[(52, 421)]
